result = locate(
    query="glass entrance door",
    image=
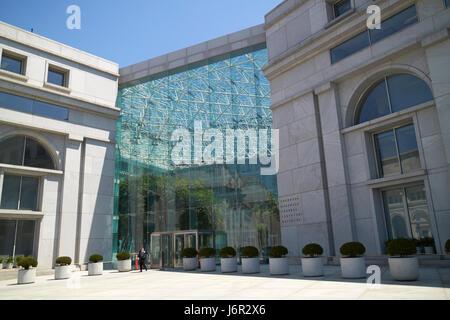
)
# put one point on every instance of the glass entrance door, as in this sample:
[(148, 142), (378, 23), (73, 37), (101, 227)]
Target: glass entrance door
[(407, 212), (167, 250), (181, 241), (155, 253)]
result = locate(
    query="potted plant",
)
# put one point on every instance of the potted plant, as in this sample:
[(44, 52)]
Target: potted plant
[(17, 260), (353, 264), (28, 272), (278, 262), (207, 259), (63, 269), (190, 259), (312, 263), (228, 260), (403, 263), (95, 265), (428, 245), (9, 263), (447, 248), (1, 263), (250, 260), (123, 261)]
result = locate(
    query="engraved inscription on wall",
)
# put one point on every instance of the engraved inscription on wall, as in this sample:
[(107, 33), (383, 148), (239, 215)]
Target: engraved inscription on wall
[(290, 211)]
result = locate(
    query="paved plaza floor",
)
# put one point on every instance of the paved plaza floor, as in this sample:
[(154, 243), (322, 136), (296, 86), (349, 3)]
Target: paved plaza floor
[(155, 284)]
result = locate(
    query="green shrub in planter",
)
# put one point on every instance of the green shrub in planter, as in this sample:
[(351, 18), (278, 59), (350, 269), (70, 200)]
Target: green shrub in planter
[(427, 242), (227, 252), (447, 246), (207, 253), (401, 247), (189, 253), (18, 258), (416, 243), (63, 261), (124, 255), (9, 260), (312, 250), (352, 249), (249, 252), (1, 260), (27, 262), (96, 258), (278, 252)]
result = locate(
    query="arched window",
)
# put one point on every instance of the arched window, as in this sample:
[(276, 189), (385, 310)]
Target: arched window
[(392, 94), (25, 151)]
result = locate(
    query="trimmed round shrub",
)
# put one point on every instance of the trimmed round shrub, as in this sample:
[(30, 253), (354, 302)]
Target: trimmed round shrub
[(189, 253), (312, 250), (249, 252), (227, 252), (9, 260), (96, 258), (1, 260), (427, 242), (401, 247), (447, 246), (18, 258), (207, 253), (123, 255), (63, 261), (416, 242), (353, 249), (27, 262), (278, 252)]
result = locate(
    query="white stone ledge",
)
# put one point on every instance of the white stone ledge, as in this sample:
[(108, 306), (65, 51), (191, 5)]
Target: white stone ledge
[(56, 87), (29, 170), (20, 214), (415, 176), (13, 75)]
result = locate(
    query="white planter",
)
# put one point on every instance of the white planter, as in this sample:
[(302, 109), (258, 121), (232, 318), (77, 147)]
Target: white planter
[(124, 265), (63, 272), (428, 250), (190, 263), (312, 267), (95, 269), (9, 266), (404, 269), (279, 266), (26, 276), (250, 265), (1, 266), (353, 268), (228, 265), (208, 264)]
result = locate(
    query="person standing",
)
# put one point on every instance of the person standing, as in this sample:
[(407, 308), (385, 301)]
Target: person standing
[(142, 255)]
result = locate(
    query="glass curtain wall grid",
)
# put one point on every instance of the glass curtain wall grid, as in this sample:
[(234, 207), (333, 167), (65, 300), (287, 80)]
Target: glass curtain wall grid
[(367, 38), (152, 194)]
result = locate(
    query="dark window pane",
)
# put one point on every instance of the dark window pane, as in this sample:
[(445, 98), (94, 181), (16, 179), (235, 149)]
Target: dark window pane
[(10, 192), (406, 91), (387, 153), (37, 156), (56, 77), (12, 64), (396, 215), (418, 212), (29, 193), (447, 3), (25, 237), (11, 150), (349, 47), (14, 102), (394, 24), (50, 110), (407, 146), (7, 231), (376, 104), (341, 7)]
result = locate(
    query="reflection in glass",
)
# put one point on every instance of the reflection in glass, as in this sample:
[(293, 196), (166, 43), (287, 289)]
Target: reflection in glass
[(11, 150), (349, 47), (387, 153), (376, 104), (11, 64), (25, 238), (341, 7), (7, 232), (55, 77), (407, 147), (396, 215), (418, 212), (10, 192), (394, 24), (29, 193), (17, 188), (36, 155), (407, 91)]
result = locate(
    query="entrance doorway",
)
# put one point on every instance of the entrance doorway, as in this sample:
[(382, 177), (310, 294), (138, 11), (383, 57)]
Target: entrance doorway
[(167, 247)]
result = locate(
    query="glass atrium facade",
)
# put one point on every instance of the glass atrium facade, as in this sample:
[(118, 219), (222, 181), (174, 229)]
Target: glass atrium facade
[(234, 203)]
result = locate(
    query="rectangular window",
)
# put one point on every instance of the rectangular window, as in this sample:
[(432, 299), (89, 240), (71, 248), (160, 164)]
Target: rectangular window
[(56, 77), (19, 193), (447, 3), (40, 108), (12, 64), (407, 213), (388, 27), (341, 7), (397, 151)]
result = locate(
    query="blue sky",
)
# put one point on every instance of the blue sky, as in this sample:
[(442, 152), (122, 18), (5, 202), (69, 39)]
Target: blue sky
[(130, 31)]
